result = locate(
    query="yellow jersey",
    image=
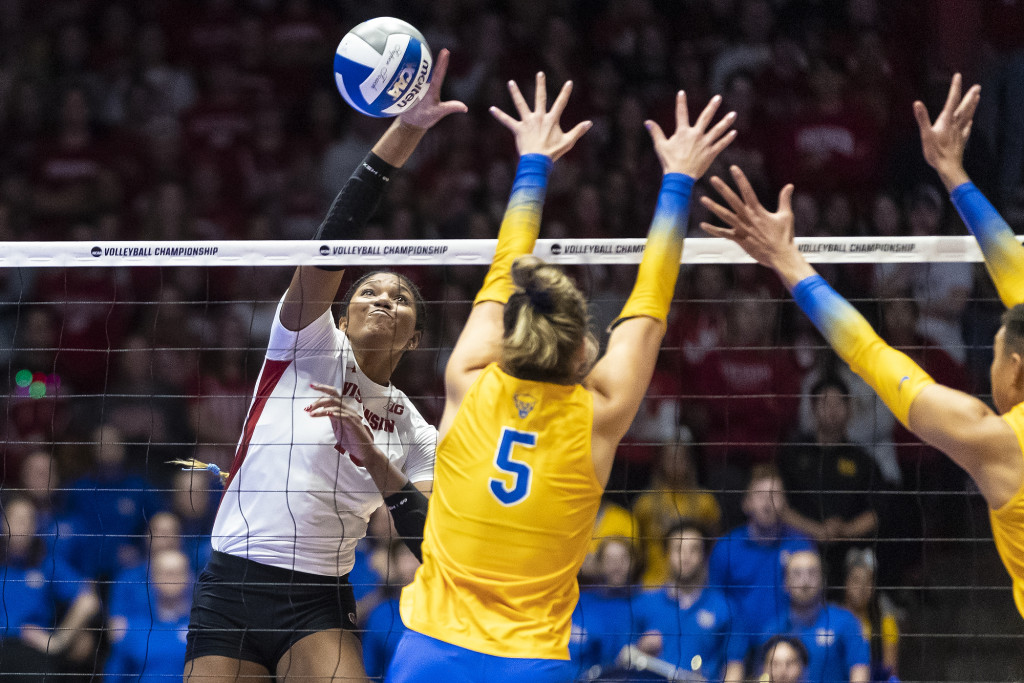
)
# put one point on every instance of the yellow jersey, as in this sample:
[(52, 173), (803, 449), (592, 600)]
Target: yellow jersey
[(510, 520), (1008, 521)]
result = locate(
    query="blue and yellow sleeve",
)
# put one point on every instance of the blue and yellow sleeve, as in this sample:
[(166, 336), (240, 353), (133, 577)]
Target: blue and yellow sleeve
[(1004, 256), (659, 269), (519, 227), (895, 377)]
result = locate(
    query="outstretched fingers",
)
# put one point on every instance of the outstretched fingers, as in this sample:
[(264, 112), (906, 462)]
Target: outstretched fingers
[(682, 110), (325, 389), (573, 136), (924, 122), (727, 193), (750, 199), (965, 110), (540, 95), (439, 72), (504, 119), (786, 199), (657, 134), (725, 215), (718, 231), (953, 96), (562, 100), (704, 120), (518, 100)]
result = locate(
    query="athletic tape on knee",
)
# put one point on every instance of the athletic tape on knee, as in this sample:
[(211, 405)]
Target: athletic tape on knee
[(519, 228), (894, 376), (659, 269), (1004, 256)]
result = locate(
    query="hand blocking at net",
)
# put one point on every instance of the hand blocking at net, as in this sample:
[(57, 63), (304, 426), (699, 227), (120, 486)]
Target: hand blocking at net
[(984, 442)]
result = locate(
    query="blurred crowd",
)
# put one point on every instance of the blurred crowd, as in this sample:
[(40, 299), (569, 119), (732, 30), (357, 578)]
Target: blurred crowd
[(173, 119)]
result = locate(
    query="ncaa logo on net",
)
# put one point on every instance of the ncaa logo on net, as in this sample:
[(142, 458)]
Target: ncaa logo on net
[(556, 249), (96, 252), (325, 250)]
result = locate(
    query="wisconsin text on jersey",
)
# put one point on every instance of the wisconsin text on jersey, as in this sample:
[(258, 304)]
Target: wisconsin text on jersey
[(376, 422)]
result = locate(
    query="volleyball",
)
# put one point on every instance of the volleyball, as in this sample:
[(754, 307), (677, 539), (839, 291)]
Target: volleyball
[(382, 67)]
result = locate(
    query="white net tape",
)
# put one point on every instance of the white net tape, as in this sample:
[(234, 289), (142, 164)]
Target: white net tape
[(460, 252)]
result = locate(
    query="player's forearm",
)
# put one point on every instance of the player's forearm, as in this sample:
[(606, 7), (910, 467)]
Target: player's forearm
[(659, 269), (519, 227), (386, 476), (791, 266), (952, 175), (398, 143), (895, 377), (1004, 257)]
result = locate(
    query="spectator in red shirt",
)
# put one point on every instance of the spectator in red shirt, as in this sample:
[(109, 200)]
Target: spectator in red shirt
[(747, 387)]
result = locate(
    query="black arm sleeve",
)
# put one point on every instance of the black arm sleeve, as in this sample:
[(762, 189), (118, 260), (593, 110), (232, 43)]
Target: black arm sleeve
[(408, 508), (356, 202)]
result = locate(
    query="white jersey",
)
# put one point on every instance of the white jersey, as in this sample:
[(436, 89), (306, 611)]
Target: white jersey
[(292, 500)]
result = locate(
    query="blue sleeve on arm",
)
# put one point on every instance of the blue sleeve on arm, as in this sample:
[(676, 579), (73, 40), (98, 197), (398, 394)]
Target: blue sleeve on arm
[(678, 183), (815, 297), (533, 171), (981, 217)]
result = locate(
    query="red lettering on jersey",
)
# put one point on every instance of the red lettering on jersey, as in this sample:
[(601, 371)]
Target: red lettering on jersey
[(351, 389)]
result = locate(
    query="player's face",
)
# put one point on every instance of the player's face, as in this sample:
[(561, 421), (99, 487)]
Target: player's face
[(686, 556), (804, 579), (784, 665), (382, 315), (1005, 375)]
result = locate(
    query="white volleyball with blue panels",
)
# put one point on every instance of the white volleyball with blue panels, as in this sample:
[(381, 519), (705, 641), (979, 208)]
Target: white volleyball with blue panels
[(382, 66)]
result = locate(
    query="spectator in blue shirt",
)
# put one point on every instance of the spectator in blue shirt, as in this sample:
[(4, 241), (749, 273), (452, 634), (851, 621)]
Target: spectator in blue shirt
[(40, 480), (109, 508), (130, 591), (383, 626), (602, 622), (836, 647), (749, 563), (149, 646), (37, 589), (689, 623)]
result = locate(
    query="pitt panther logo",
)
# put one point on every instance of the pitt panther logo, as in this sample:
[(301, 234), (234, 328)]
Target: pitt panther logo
[(524, 404), (401, 83)]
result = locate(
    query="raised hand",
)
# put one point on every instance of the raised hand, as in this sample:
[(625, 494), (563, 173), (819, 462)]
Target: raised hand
[(767, 236), (691, 149), (430, 109), (538, 131), (943, 141)]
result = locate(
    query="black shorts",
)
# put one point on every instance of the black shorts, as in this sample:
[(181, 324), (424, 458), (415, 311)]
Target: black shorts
[(254, 612)]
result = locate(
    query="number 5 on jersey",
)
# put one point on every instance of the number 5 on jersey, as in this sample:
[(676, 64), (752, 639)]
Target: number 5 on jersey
[(520, 472)]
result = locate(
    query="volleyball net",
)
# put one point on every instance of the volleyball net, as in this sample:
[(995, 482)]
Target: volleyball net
[(123, 356)]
